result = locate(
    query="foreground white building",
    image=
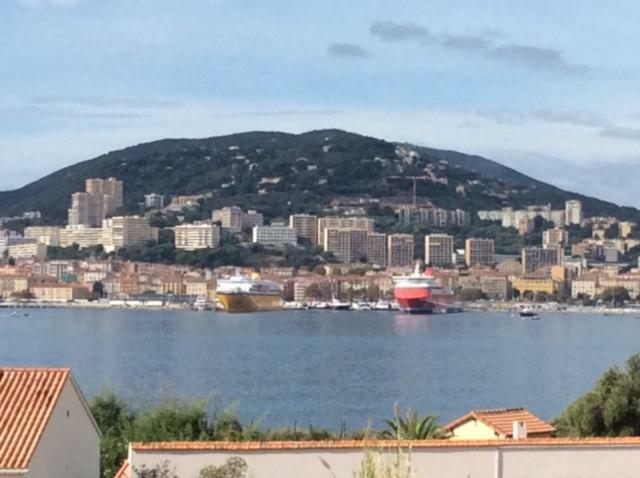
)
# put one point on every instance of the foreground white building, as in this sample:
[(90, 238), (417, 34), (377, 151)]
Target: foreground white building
[(46, 428), (512, 458)]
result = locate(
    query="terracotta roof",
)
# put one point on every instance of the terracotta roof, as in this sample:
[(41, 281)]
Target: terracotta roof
[(501, 420), (124, 471), (203, 446), (27, 398)]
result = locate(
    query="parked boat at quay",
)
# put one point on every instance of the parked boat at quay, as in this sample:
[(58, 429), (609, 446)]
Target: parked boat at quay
[(420, 293), (248, 294)]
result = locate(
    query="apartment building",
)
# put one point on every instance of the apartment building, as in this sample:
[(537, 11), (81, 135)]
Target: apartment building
[(573, 212), (556, 237), (60, 292), (377, 249), (306, 227), (400, 250), (233, 219), (438, 250), (28, 248), (101, 197), (534, 258), (479, 252), (13, 284), (534, 284), (274, 235), (359, 223), (83, 236), (127, 231), (199, 235), (348, 245), (154, 201), (430, 215), (48, 235)]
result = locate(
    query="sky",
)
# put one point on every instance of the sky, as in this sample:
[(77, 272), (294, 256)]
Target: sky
[(549, 88)]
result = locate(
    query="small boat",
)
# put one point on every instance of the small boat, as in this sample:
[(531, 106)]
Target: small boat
[(382, 305), (361, 306), (529, 314), (336, 304)]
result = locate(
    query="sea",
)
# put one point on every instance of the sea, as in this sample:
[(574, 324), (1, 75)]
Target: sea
[(330, 369)]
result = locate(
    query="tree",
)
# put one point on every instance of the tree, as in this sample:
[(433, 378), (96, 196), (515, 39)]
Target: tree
[(611, 409), (541, 296), (159, 471), (412, 426), (97, 290), (234, 467), (615, 295)]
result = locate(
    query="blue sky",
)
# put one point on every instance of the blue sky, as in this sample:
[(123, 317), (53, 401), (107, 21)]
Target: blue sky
[(547, 87)]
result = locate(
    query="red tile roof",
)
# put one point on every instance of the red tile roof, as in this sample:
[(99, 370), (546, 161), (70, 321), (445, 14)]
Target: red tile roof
[(203, 446), (27, 398), (124, 471), (501, 421)]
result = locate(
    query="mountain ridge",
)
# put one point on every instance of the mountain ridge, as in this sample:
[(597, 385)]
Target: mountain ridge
[(313, 167)]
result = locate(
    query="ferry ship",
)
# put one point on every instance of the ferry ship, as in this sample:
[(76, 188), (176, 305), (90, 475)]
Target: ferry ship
[(248, 294), (420, 293)]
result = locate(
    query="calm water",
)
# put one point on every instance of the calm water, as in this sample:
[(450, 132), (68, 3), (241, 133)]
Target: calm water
[(322, 368)]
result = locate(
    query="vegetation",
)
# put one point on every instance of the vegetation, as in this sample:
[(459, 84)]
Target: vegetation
[(412, 426), (615, 295), (314, 168), (381, 465), (176, 420), (611, 409)]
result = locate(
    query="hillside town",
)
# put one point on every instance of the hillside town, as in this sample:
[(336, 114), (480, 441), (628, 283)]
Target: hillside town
[(357, 261)]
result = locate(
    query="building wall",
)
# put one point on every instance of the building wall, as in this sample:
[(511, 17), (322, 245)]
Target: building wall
[(70, 444), (487, 461), (473, 430)]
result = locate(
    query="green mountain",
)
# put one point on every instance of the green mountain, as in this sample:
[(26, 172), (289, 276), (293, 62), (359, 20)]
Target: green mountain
[(279, 173)]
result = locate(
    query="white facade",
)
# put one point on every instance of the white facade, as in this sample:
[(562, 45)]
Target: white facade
[(200, 235), (526, 458), (573, 212), (276, 236)]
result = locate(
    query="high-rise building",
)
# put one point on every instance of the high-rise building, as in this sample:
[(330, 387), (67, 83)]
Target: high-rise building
[(47, 235), (400, 249), (100, 198), (348, 245), (572, 212), (127, 231), (556, 237), (306, 226), (479, 252), (359, 223), (154, 201), (199, 235), (625, 228), (233, 219), (274, 235), (377, 249), (534, 258), (438, 250)]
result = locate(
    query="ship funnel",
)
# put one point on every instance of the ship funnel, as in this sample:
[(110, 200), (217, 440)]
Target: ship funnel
[(428, 272)]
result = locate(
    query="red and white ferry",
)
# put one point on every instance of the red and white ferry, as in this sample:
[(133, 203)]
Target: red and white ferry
[(420, 293)]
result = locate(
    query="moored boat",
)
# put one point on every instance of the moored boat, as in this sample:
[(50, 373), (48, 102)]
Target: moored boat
[(248, 294), (420, 293)]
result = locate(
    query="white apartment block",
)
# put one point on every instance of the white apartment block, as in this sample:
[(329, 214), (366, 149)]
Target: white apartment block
[(438, 250), (584, 287), (359, 223), (234, 219), (306, 226), (127, 231), (275, 236), (573, 212), (555, 237), (83, 236), (199, 235), (154, 201), (48, 235), (26, 250)]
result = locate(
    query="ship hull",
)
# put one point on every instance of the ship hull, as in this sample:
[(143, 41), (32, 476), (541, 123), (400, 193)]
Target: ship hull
[(238, 303), (421, 300)]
